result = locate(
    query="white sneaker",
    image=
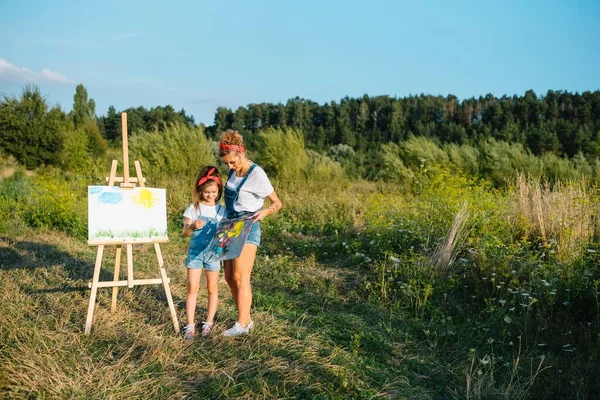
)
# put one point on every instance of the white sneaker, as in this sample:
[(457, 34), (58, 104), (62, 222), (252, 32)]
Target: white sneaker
[(207, 328), (189, 331), (238, 330)]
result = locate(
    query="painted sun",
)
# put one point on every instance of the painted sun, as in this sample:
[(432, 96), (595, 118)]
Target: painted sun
[(145, 198)]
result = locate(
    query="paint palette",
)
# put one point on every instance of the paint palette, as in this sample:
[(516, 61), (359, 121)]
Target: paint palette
[(229, 239)]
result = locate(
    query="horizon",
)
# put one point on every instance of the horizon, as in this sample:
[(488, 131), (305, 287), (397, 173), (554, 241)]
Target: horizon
[(141, 56)]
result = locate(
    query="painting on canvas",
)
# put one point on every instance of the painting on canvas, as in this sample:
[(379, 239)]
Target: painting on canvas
[(116, 214), (229, 239)]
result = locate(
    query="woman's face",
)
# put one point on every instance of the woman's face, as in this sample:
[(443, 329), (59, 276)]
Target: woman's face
[(234, 160)]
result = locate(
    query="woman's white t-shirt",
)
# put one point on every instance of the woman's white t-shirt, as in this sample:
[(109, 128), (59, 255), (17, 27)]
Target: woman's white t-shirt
[(253, 191), (217, 211)]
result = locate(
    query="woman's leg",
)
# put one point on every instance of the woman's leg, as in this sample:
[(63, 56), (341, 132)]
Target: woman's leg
[(212, 287), (193, 275), (242, 268), (228, 272)]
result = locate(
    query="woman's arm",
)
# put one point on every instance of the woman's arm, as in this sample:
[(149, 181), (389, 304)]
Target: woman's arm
[(272, 209)]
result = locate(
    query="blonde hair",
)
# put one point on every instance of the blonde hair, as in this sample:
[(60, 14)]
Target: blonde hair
[(232, 138)]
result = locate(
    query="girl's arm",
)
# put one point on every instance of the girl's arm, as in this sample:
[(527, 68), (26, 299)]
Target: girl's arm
[(272, 209), (188, 227)]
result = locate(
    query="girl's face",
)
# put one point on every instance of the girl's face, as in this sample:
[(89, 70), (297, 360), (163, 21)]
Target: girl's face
[(210, 193), (234, 160)]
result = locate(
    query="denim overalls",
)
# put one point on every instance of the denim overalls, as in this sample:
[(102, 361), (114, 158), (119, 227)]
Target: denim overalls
[(231, 196), (200, 239)]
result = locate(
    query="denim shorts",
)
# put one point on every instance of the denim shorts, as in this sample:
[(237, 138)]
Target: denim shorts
[(196, 257), (254, 235), (198, 263)]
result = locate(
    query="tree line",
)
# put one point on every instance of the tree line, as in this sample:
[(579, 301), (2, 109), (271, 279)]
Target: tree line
[(560, 122), (353, 131)]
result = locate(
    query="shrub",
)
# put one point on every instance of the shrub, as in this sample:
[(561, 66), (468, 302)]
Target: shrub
[(282, 155), (177, 151)]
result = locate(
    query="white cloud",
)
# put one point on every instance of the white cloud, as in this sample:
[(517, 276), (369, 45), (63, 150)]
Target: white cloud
[(13, 73)]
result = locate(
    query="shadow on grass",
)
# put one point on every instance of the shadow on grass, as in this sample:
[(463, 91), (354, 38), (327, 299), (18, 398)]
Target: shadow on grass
[(28, 255)]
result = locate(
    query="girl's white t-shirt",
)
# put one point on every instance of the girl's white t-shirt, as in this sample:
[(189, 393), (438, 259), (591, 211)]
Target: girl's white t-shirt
[(217, 211), (253, 191)]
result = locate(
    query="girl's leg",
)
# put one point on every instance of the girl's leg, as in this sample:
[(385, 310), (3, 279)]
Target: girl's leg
[(242, 268), (193, 275), (228, 272), (212, 282)]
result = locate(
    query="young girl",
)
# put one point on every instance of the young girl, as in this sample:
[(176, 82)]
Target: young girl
[(200, 220)]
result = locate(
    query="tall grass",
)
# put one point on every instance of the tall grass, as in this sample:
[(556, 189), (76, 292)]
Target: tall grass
[(564, 214)]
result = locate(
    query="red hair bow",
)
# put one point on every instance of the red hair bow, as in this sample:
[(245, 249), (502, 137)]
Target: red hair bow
[(209, 176)]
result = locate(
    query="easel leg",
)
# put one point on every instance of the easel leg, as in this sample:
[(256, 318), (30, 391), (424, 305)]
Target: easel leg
[(115, 290), (129, 265), (165, 280), (94, 290)]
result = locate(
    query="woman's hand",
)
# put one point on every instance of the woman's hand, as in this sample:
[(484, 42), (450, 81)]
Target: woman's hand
[(260, 215)]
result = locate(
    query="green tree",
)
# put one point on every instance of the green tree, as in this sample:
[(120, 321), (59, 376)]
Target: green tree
[(29, 131), (112, 124), (84, 110)]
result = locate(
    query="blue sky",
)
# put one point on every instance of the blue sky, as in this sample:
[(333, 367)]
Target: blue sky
[(199, 55)]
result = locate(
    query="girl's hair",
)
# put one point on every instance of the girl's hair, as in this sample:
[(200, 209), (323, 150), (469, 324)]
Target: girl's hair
[(231, 141), (207, 176)]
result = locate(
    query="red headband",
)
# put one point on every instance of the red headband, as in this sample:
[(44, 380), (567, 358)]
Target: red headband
[(209, 176), (234, 147)]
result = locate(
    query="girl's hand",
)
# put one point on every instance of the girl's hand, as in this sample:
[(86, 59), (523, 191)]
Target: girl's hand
[(198, 224)]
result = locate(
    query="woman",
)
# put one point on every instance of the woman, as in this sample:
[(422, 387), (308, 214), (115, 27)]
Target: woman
[(245, 193)]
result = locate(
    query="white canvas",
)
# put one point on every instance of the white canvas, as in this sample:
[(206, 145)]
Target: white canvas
[(126, 214)]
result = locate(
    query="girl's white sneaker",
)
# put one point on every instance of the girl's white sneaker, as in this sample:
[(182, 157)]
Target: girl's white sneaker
[(207, 328), (189, 331), (238, 330)]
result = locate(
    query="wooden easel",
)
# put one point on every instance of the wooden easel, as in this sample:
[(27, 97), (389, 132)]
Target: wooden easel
[(126, 182)]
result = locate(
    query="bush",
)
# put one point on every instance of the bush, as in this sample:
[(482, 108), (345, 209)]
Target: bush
[(282, 155), (178, 151), (45, 201)]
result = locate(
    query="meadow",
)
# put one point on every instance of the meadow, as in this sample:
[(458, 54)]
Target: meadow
[(425, 284)]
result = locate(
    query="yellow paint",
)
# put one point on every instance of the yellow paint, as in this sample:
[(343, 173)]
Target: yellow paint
[(145, 198), (237, 230)]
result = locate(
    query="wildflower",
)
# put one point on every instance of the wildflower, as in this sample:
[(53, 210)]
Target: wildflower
[(485, 360), (510, 343), (507, 319), (502, 301)]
